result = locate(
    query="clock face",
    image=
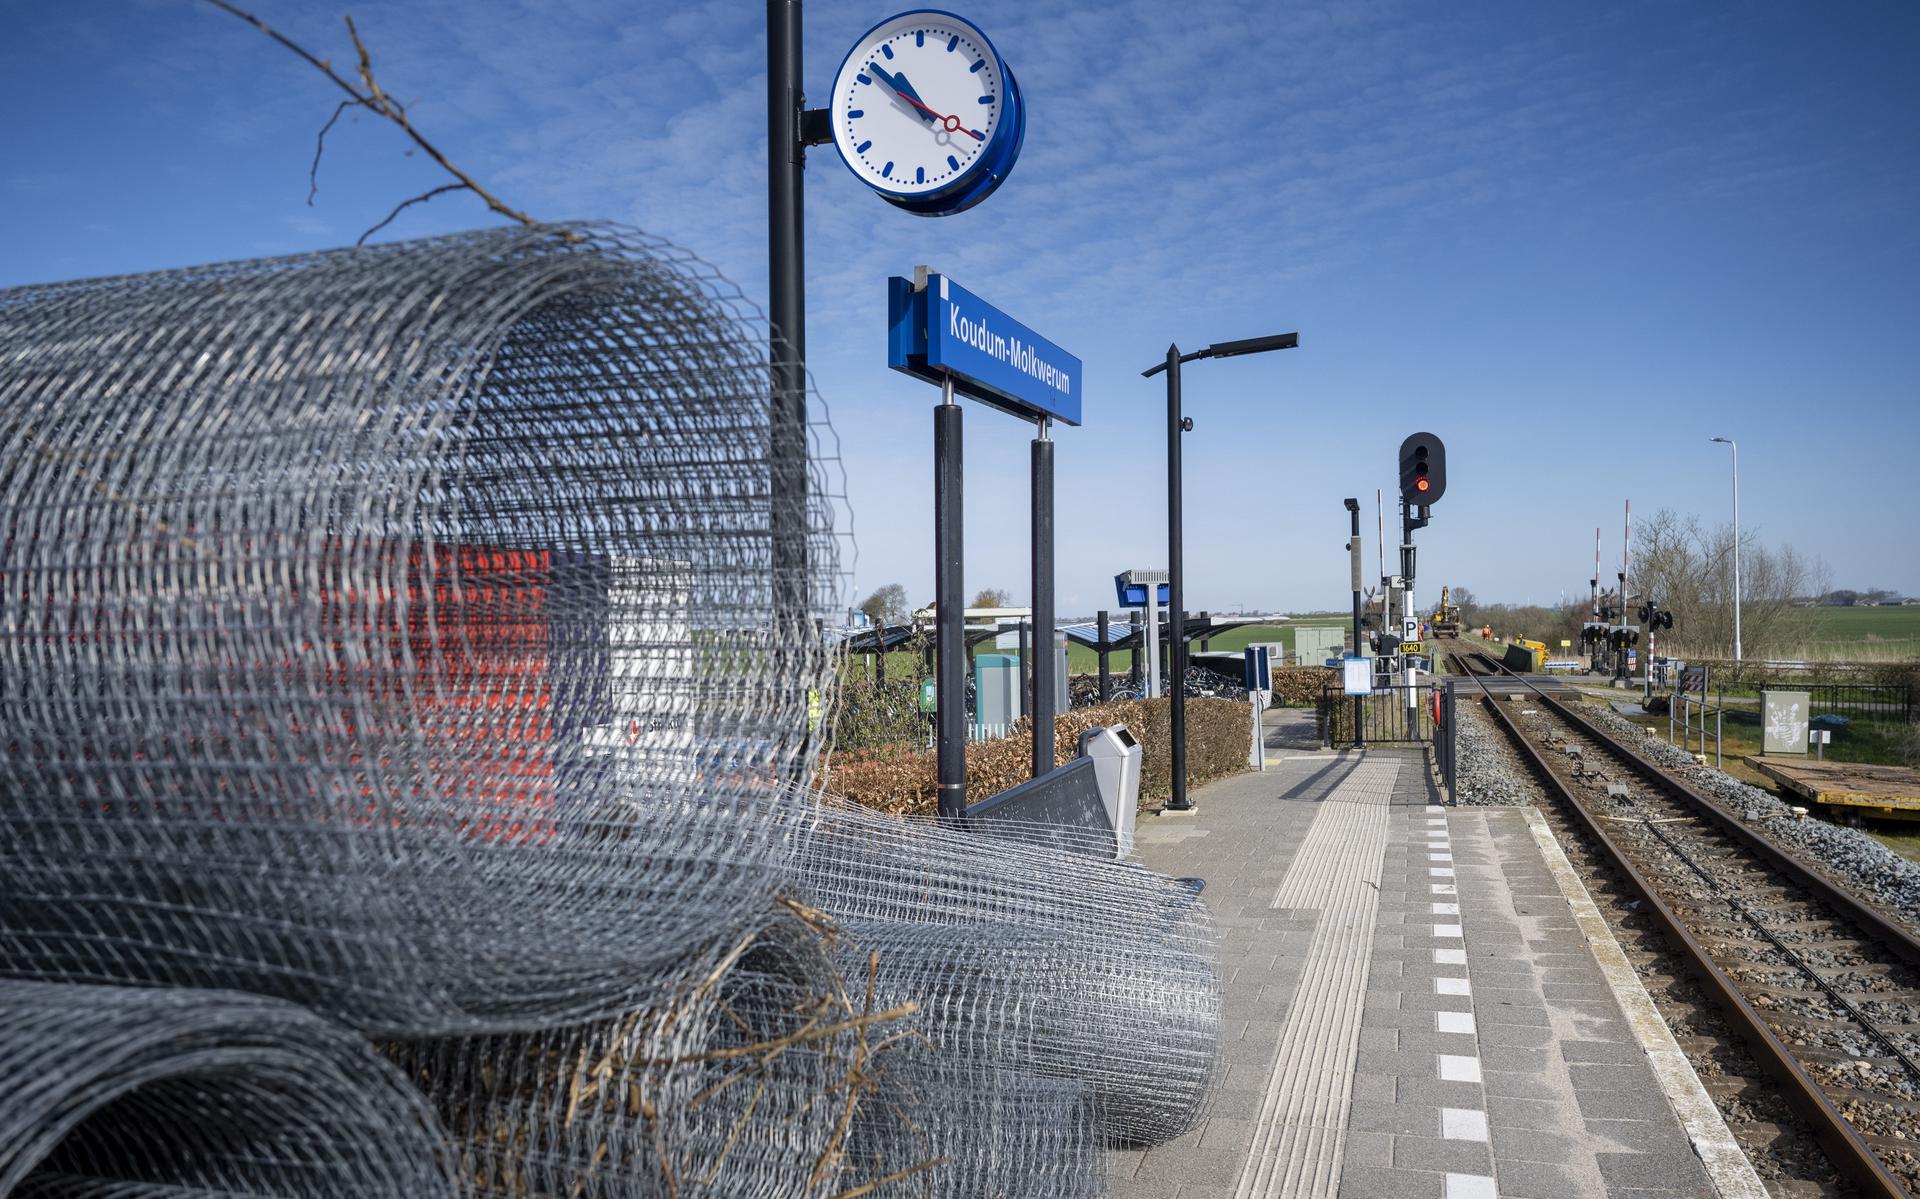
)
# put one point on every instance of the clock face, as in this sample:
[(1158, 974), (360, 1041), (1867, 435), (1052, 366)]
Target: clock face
[(917, 104)]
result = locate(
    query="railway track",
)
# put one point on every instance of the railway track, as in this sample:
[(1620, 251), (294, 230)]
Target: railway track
[(1821, 986)]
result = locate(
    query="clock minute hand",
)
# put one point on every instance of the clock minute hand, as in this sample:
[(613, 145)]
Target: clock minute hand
[(899, 86)]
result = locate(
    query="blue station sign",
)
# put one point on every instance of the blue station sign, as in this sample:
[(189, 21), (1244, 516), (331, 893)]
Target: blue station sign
[(944, 331)]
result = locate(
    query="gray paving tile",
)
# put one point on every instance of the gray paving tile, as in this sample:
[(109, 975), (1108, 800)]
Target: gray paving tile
[(1669, 1170), (1597, 1076), (1408, 1119), (1387, 1183), (1623, 1050), (1452, 1157), (1538, 1180)]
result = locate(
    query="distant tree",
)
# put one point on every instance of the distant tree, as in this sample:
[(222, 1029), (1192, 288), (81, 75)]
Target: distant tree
[(1688, 570), (992, 597), (887, 605)]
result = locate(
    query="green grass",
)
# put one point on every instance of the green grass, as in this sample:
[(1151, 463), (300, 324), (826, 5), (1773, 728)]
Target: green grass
[(1876, 632), (1864, 741)]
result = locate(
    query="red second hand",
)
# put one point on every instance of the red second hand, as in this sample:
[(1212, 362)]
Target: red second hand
[(950, 124)]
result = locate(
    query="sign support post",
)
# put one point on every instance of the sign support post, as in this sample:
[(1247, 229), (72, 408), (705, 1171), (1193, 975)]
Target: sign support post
[(939, 332), (1045, 703), (950, 614)]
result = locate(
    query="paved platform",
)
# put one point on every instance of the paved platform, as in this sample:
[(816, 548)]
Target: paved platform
[(1415, 1007)]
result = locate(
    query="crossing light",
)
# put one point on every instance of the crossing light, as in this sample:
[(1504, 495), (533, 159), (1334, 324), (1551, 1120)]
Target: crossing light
[(1423, 469)]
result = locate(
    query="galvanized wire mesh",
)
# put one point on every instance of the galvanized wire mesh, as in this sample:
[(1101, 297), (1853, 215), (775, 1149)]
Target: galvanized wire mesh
[(388, 628), (1055, 965), (123, 1091), (734, 1084), (399, 632)]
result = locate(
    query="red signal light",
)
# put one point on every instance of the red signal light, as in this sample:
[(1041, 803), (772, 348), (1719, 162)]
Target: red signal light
[(1421, 484)]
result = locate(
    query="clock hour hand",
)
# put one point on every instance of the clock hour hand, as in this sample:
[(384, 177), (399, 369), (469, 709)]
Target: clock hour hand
[(899, 86)]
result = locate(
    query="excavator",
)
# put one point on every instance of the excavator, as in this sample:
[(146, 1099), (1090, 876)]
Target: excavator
[(1446, 618)]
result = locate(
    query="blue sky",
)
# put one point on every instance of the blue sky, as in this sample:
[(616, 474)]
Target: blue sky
[(1573, 241)]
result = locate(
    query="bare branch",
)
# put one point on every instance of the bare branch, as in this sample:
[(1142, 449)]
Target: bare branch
[(319, 147), (376, 100), (403, 205)]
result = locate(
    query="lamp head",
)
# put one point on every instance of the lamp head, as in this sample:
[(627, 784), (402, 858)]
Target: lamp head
[(1353, 505), (1253, 345), (1724, 440)]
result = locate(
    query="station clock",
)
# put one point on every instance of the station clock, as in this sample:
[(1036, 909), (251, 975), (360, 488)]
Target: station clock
[(927, 114)]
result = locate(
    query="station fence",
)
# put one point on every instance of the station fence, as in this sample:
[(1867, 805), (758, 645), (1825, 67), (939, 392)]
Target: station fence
[(1891, 702), (1398, 714)]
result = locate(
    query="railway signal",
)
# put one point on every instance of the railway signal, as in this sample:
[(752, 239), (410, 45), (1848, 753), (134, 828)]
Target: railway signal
[(1655, 619), (1423, 469)]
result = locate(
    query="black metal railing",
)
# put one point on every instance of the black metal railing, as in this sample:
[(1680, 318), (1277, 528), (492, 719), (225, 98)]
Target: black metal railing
[(1398, 714), (1863, 701)]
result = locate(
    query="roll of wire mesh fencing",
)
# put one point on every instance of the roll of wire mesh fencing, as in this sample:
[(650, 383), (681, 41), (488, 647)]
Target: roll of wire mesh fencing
[(738, 1083), (1051, 966), (168, 1092), (400, 630)]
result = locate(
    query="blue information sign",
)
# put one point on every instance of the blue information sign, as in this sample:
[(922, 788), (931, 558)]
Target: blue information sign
[(944, 330)]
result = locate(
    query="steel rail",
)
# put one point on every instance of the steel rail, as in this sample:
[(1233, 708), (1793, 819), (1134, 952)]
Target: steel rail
[(1885, 929), (1845, 1146)]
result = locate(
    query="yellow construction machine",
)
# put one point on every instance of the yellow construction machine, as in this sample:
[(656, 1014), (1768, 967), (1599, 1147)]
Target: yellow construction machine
[(1445, 621)]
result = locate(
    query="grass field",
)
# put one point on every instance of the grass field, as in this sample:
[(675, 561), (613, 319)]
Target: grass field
[(1868, 634)]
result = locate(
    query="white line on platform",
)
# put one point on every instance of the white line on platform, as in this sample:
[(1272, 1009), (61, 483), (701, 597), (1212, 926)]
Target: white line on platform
[(1452, 986), (1459, 1067), (1460, 1022), (1463, 1124), (1449, 957), (1471, 1186)]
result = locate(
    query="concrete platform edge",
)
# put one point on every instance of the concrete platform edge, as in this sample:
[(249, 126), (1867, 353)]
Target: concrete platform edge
[(1727, 1165)]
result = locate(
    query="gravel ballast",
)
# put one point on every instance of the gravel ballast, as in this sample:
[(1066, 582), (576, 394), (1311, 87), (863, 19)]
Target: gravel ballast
[(1489, 773), (1846, 852)]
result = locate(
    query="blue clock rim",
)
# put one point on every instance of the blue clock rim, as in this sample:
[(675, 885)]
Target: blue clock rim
[(988, 155)]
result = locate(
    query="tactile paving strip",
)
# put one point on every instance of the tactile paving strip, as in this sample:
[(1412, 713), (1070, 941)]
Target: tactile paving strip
[(1300, 1135)]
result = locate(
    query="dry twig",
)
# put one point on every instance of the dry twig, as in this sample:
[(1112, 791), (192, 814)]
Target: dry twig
[(375, 100)]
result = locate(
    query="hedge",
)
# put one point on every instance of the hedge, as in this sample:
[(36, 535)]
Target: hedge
[(1300, 686), (1218, 733)]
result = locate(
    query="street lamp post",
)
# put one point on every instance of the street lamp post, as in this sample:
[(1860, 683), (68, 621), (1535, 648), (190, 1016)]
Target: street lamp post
[(1353, 561), (1733, 445), (1176, 609)]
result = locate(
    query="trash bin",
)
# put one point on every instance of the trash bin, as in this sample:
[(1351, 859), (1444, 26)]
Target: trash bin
[(1116, 758)]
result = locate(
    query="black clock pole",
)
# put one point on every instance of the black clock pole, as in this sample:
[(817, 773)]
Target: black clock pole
[(790, 130)]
